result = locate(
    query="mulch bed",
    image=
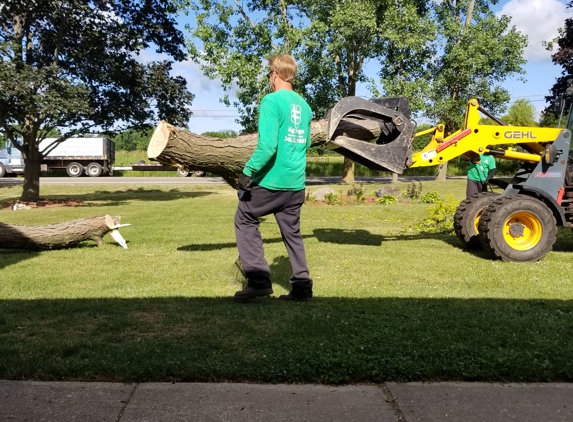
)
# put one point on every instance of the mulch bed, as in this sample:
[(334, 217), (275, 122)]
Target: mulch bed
[(345, 200), (45, 203)]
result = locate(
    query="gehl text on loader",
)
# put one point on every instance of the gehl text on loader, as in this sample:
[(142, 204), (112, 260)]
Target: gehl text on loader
[(518, 225)]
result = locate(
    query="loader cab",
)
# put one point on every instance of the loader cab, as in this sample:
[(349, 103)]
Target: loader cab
[(11, 161), (11, 151)]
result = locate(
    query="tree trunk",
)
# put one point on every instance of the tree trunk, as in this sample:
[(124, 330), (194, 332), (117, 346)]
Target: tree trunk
[(55, 236), (31, 185), (349, 167), (348, 171), (227, 157), (32, 160), (442, 171)]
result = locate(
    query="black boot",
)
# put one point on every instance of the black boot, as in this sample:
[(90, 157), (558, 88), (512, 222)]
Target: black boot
[(250, 292), (301, 292)]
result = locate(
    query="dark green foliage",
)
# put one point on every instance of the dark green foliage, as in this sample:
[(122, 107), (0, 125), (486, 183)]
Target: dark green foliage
[(77, 66), (330, 40), (421, 141), (564, 58), (133, 140)]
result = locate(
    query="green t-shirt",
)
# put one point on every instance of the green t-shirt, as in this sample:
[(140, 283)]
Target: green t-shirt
[(478, 171), (279, 159)]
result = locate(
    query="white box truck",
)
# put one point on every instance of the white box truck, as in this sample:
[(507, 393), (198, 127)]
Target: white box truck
[(79, 156)]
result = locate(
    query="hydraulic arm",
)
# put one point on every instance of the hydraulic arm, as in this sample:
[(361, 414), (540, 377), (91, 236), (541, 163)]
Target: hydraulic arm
[(474, 139)]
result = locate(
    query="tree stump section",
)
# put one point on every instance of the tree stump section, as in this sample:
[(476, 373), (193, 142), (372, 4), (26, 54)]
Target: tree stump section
[(56, 236), (227, 157)]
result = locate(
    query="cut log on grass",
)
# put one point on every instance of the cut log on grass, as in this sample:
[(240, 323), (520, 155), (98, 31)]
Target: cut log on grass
[(227, 157), (60, 235)]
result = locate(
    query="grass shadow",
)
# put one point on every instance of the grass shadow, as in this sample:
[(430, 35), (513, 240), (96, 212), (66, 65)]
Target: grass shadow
[(140, 194), (122, 197), (365, 238), (564, 242), (337, 236), (13, 256), (330, 340)]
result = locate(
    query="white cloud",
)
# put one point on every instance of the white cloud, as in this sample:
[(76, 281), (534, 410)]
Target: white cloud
[(209, 114), (196, 80), (539, 20)]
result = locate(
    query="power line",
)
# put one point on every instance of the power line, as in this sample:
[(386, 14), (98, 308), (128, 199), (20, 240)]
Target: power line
[(214, 117), (529, 96)]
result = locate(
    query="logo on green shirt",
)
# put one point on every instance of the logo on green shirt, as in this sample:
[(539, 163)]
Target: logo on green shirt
[(295, 114)]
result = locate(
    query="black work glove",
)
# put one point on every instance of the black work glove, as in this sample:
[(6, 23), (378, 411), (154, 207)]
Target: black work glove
[(245, 182)]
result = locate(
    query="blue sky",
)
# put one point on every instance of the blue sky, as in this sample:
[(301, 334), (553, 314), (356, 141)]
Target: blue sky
[(538, 19)]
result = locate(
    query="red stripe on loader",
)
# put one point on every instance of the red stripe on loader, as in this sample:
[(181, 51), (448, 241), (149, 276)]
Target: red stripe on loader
[(454, 139)]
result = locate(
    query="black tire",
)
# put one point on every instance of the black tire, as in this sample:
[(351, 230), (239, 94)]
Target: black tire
[(2, 170), (198, 173), (182, 172), (517, 228), (467, 217), (75, 169), (94, 170)]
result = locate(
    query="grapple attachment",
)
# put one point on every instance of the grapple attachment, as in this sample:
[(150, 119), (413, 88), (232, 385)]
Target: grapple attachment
[(350, 136)]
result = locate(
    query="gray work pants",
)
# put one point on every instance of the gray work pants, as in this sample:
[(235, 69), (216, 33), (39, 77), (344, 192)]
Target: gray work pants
[(285, 205), (474, 187)]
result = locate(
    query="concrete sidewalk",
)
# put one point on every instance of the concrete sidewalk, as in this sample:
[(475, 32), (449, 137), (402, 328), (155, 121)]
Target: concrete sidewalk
[(390, 402)]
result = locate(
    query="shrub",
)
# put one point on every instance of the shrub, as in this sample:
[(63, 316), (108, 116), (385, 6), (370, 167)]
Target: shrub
[(430, 198), (310, 198), (387, 200), (439, 217), (332, 198), (358, 193), (413, 191)]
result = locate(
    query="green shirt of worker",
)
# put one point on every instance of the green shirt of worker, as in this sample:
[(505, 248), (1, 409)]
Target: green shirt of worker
[(479, 171), (279, 159)]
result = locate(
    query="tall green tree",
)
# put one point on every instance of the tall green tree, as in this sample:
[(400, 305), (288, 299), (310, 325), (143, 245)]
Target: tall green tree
[(476, 53), (332, 41), (76, 66), (520, 113), (562, 57), (133, 139)]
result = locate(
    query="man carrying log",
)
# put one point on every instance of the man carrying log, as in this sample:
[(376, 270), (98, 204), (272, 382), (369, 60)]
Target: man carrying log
[(273, 182)]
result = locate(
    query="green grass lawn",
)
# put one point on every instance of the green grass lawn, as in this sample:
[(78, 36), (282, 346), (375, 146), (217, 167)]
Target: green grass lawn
[(390, 304)]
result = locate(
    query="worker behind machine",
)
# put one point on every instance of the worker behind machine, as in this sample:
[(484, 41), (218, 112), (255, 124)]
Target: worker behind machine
[(481, 171)]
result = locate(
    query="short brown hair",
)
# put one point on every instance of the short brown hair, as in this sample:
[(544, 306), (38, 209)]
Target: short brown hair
[(284, 65)]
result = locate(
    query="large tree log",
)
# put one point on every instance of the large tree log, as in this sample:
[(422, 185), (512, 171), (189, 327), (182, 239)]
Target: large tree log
[(227, 157), (59, 235)]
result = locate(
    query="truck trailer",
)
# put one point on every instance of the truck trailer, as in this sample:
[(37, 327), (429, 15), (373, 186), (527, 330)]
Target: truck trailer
[(78, 156)]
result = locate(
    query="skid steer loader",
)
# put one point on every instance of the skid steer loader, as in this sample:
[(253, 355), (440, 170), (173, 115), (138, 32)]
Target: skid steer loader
[(517, 225)]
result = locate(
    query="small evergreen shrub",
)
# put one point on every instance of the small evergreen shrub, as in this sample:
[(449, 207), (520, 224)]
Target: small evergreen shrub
[(387, 200), (430, 198)]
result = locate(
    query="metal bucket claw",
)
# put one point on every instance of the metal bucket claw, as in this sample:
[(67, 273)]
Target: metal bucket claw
[(391, 151)]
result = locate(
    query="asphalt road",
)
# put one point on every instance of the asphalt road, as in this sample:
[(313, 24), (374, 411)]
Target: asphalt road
[(117, 181), (184, 180)]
